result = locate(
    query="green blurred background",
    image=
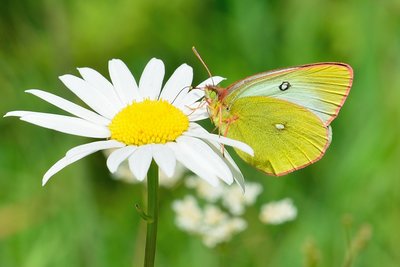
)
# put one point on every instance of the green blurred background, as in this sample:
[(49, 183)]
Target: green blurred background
[(85, 218)]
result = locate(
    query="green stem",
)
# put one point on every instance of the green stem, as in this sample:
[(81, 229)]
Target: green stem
[(152, 212)]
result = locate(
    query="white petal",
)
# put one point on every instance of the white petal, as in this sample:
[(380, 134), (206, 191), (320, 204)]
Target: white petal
[(197, 111), (180, 79), (70, 107), (226, 157), (212, 81), (151, 79), (61, 164), (139, 162), (197, 116), (197, 128), (185, 156), (18, 113), (101, 84), (64, 124), (94, 146), (212, 160), (165, 159), (192, 96), (124, 83), (193, 131), (92, 97), (180, 99), (237, 174), (118, 156)]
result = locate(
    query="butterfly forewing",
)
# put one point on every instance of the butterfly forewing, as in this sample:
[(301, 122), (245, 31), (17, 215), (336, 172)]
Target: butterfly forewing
[(321, 88)]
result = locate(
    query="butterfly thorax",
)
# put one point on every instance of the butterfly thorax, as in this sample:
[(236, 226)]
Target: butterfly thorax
[(218, 107)]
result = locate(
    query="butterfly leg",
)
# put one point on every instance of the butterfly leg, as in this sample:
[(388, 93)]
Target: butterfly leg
[(201, 104), (228, 123), (219, 128)]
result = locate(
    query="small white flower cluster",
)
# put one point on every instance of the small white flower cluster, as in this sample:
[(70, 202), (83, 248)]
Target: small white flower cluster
[(213, 224), (278, 212), (232, 197)]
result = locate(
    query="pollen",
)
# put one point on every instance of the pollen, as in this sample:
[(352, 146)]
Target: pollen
[(148, 122)]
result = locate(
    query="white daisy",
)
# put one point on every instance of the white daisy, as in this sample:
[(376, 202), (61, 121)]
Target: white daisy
[(140, 122)]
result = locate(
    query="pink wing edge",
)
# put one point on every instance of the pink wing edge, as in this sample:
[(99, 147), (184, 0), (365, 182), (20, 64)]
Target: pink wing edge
[(308, 163)]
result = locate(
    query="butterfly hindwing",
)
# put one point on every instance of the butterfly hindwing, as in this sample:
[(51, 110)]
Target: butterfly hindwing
[(285, 136)]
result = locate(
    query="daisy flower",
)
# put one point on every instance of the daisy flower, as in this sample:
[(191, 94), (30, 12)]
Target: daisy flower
[(140, 121)]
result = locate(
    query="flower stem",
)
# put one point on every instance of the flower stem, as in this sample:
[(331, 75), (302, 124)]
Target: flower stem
[(152, 212)]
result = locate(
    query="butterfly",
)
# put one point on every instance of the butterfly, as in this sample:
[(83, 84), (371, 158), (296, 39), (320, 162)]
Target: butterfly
[(284, 114)]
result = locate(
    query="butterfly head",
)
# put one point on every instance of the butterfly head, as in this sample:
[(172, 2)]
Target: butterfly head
[(214, 96)]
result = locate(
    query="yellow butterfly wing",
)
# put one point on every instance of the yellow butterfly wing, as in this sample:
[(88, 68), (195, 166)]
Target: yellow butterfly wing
[(322, 88), (285, 136), (284, 115)]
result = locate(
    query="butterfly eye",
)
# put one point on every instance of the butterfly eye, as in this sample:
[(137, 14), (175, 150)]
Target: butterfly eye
[(284, 86)]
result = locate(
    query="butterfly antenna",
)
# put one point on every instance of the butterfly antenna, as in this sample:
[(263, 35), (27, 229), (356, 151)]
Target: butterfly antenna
[(190, 87), (202, 62)]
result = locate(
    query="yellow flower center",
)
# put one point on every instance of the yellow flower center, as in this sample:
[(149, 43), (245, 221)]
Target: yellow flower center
[(148, 122)]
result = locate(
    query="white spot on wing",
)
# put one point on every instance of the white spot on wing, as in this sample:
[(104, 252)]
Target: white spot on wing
[(279, 126)]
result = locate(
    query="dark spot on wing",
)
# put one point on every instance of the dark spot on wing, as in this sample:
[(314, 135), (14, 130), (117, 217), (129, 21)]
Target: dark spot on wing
[(284, 86)]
